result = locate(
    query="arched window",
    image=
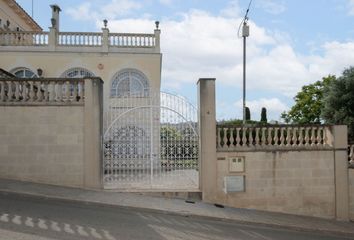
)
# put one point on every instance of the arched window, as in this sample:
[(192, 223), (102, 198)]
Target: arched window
[(24, 73), (130, 83), (77, 73)]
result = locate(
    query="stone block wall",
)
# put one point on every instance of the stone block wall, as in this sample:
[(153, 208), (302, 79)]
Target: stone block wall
[(42, 144), (351, 194), (295, 182)]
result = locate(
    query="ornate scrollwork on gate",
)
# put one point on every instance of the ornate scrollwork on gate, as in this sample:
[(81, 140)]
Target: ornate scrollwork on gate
[(148, 145)]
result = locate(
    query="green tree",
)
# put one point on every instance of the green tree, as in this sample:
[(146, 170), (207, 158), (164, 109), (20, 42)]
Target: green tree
[(338, 105), (169, 134), (264, 115), (308, 103), (248, 114)]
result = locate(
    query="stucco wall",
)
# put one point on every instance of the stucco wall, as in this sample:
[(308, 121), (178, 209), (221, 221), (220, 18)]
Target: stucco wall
[(296, 182), (42, 144), (351, 194)]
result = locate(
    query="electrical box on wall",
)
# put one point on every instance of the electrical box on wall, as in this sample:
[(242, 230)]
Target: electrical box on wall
[(234, 184), (236, 164)]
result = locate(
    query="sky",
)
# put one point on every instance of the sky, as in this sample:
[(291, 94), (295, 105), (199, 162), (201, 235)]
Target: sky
[(292, 43)]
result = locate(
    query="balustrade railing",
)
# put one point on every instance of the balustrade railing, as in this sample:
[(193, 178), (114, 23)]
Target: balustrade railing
[(20, 38), (79, 39), (38, 91), (351, 155), (231, 138), (132, 40)]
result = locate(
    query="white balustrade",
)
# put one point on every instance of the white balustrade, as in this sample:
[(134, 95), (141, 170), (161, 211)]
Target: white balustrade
[(351, 155), (41, 91), (271, 137), (132, 40), (24, 38), (79, 39)]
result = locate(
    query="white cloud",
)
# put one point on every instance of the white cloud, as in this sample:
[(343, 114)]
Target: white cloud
[(82, 12), (274, 106), (130, 25), (111, 10), (336, 57), (118, 8), (200, 44), (271, 6), (204, 45)]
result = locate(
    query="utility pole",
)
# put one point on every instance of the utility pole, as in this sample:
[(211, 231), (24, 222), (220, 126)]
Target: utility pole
[(245, 34)]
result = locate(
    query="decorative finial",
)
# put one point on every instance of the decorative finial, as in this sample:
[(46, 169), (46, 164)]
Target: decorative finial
[(105, 23), (157, 24)]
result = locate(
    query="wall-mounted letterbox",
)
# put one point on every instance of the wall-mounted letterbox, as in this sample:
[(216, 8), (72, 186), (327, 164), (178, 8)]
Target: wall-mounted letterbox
[(236, 164)]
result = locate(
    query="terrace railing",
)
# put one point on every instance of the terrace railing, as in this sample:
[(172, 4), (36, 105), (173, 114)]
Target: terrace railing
[(11, 38), (132, 40), (270, 137), (79, 39), (104, 39), (37, 91)]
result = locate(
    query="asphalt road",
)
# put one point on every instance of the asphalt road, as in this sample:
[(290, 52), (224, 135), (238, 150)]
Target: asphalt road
[(41, 219)]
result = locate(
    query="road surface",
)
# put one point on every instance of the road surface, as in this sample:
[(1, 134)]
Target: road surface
[(28, 218)]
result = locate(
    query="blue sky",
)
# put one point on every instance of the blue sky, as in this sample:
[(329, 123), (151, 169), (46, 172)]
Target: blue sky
[(291, 43)]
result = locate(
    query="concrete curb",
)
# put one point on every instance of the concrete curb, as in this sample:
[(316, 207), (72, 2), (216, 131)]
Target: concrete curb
[(176, 213)]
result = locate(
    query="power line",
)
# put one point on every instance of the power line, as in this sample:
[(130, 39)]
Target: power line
[(245, 19), (248, 9)]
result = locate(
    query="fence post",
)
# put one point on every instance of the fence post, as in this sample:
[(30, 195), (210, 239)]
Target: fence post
[(93, 133), (340, 146), (207, 138)]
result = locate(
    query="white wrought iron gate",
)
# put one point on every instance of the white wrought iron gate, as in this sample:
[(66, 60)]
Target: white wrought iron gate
[(151, 142)]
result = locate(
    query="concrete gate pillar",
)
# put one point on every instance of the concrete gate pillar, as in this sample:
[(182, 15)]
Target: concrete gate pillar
[(93, 133), (207, 139), (339, 141)]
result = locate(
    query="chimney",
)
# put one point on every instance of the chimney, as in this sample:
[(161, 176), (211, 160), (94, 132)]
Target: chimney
[(55, 16)]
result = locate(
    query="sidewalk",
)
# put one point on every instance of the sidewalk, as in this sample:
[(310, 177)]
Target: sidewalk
[(177, 206)]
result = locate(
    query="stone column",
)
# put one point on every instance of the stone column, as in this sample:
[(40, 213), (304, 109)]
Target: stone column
[(52, 39), (157, 33), (93, 133), (340, 145), (207, 139), (105, 40)]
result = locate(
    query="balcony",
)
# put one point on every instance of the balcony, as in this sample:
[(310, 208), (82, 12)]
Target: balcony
[(80, 41)]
